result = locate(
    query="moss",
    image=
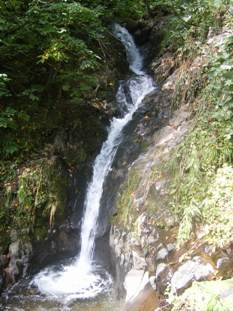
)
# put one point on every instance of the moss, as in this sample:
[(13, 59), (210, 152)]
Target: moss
[(126, 213), (217, 208), (193, 167), (34, 201), (206, 296), (57, 183), (139, 194)]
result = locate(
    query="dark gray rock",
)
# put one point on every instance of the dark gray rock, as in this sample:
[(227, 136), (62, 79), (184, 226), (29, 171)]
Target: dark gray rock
[(3, 261), (19, 256)]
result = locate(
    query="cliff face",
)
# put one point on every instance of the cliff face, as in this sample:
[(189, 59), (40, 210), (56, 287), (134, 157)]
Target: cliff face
[(172, 220)]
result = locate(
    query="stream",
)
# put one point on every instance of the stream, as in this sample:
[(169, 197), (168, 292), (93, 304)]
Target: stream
[(84, 283)]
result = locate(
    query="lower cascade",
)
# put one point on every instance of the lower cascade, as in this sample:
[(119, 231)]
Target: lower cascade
[(84, 278)]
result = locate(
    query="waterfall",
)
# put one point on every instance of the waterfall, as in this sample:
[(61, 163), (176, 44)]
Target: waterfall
[(134, 57), (84, 278)]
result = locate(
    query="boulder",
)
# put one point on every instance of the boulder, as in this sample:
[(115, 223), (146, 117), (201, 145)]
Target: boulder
[(192, 270)]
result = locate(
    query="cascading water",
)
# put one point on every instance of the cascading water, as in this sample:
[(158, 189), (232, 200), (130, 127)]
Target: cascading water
[(84, 278)]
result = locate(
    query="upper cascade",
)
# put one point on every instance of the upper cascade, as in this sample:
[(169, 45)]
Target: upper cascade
[(134, 56)]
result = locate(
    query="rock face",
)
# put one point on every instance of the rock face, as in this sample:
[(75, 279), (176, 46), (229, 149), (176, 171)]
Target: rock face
[(144, 244), (145, 229)]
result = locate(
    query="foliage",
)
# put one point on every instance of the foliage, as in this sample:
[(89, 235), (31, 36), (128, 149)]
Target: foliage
[(58, 67), (28, 205), (53, 55), (204, 160), (206, 296), (126, 214), (221, 77), (189, 22), (4, 92), (217, 209)]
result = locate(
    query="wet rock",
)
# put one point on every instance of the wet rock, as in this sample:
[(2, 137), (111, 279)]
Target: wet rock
[(14, 255), (19, 257), (14, 249), (141, 223), (60, 243), (64, 241), (192, 270), (121, 257), (142, 35)]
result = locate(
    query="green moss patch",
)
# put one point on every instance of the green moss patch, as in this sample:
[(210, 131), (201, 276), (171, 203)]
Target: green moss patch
[(206, 296), (126, 211), (35, 200)]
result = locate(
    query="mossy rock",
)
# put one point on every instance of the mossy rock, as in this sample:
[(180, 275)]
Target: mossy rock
[(35, 201), (206, 296), (126, 213)]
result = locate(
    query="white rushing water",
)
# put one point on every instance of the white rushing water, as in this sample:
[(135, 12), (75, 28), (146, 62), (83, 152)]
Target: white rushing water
[(84, 278)]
